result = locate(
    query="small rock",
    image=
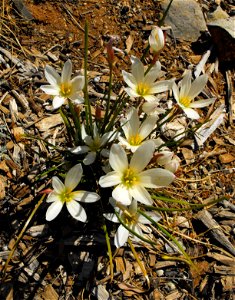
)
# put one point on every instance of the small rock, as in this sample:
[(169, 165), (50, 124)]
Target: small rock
[(226, 158), (186, 20)]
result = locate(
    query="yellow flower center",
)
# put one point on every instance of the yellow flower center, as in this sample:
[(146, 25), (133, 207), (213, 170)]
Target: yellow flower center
[(135, 140), (66, 196), (185, 101), (95, 145), (142, 89), (129, 219), (129, 178), (65, 89)]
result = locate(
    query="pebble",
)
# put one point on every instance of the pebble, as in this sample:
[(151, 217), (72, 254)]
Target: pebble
[(187, 21)]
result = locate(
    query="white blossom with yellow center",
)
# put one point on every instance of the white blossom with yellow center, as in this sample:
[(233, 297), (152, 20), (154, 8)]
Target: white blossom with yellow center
[(63, 87), (94, 144), (131, 218), (135, 132), (63, 194), (141, 85), (129, 179), (188, 91)]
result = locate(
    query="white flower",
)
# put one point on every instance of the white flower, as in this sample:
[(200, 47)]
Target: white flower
[(129, 179), (63, 193), (134, 131), (188, 91), (62, 87), (156, 39), (94, 144), (131, 219), (141, 85)]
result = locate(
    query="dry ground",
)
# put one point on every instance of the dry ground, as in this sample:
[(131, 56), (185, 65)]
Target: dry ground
[(46, 263)]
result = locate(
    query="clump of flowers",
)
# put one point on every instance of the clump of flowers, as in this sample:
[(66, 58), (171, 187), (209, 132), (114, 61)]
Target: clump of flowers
[(121, 149)]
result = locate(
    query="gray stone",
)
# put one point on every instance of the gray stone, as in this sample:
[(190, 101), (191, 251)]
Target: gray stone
[(185, 18)]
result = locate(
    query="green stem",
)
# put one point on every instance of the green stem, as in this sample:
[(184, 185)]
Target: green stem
[(85, 89)]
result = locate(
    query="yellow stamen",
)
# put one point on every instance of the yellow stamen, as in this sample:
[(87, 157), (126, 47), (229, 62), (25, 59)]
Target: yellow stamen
[(135, 140), (66, 196), (142, 89), (65, 89), (129, 178), (185, 101)]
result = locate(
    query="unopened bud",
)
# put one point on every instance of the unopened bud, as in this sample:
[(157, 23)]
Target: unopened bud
[(156, 39), (110, 52)]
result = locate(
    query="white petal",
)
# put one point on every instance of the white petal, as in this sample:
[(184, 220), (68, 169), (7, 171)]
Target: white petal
[(133, 207), (80, 150), (57, 185), (153, 74), (78, 83), (142, 156), (67, 71), (157, 177), (50, 90), (52, 197), (191, 113), (122, 195), (121, 236), (58, 101), (136, 228), (53, 210), (73, 177), (52, 76), (161, 86), (197, 86), (156, 39), (84, 196), (110, 179), (202, 103), (150, 98), (90, 158), (129, 79), (137, 69), (118, 158), (147, 126), (111, 217), (140, 194), (76, 211), (176, 93), (131, 92), (185, 84), (133, 120), (153, 215)]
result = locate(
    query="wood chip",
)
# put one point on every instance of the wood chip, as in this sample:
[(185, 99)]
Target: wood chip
[(214, 228), (188, 155), (226, 158), (49, 122)]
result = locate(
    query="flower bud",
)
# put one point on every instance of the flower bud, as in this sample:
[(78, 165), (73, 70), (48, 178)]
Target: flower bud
[(164, 157), (156, 39), (110, 52), (173, 165)]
